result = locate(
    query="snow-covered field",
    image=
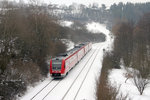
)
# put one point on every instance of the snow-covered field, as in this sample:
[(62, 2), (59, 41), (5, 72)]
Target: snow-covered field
[(66, 23), (117, 79), (96, 27), (80, 83)]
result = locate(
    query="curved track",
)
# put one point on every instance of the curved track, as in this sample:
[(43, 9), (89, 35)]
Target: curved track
[(71, 84), (78, 76)]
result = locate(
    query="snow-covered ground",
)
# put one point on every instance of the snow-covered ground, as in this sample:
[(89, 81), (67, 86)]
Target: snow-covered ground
[(96, 27), (69, 44), (79, 86), (117, 79), (66, 23)]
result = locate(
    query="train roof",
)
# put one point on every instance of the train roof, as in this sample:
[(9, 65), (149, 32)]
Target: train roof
[(70, 52)]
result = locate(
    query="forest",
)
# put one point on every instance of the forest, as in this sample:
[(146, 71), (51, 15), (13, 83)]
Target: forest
[(108, 15), (131, 49), (29, 37)]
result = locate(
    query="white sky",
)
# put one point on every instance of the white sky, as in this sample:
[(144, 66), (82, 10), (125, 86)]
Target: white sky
[(87, 2)]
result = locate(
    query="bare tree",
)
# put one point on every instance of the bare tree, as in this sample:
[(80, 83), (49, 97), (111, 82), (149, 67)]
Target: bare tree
[(140, 82), (140, 56)]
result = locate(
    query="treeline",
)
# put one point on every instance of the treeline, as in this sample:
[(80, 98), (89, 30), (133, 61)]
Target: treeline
[(127, 12), (79, 34), (28, 36), (80, 12), (132, 45), (116, 12), (132, 49)]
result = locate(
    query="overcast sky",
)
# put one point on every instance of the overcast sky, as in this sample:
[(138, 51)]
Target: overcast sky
[(87, 2)]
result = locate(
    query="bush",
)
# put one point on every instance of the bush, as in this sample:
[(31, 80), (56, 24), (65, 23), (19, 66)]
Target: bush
[(28, 35), (110, 60), (123, 43), (8, 89), (104, 90)]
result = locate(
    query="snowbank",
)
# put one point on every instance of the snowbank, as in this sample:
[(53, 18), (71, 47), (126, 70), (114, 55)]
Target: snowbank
[(66, 23), (69, 44), (95, 27), (117, 79)]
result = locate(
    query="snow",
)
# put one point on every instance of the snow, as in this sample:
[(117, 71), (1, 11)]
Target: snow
[(88, 88), (66, 23), (70, 44), (95, 27), (117, 79), (33, 90)]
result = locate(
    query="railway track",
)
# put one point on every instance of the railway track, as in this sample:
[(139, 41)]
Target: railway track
[(41, 90), (50, 90), (57, 83), (39, 93), (84, 76)]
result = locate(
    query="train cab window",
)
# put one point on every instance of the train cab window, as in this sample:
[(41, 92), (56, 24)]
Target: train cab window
[(56, 65), (63, 55), (77, 46)]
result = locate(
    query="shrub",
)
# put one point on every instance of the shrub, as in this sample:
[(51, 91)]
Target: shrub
[(104, 90), (28, 35)]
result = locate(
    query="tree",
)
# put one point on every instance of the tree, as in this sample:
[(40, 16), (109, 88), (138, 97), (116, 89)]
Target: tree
[(8, 33), (123, 42), (141, 57)]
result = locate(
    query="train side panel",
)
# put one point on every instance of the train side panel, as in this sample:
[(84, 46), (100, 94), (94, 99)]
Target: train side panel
[(90, 46), (63, 67), (80, 53), (70, 62), (86, 48)]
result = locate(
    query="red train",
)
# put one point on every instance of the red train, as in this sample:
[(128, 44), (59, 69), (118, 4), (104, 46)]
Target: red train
[(61, 65)]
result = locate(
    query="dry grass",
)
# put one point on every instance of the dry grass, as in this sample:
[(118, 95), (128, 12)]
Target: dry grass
[(104, 90)]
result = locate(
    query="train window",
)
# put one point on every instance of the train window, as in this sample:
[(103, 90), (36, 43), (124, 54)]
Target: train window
[(63, 54), (77, 46), (56, 65)]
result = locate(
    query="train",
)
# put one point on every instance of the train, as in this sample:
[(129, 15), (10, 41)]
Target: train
[(64, 62)]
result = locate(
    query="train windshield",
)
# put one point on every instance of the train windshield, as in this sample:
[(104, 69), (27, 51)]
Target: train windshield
[(56, 65)]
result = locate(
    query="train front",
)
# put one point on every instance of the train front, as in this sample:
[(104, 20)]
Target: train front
[(57, 67)]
